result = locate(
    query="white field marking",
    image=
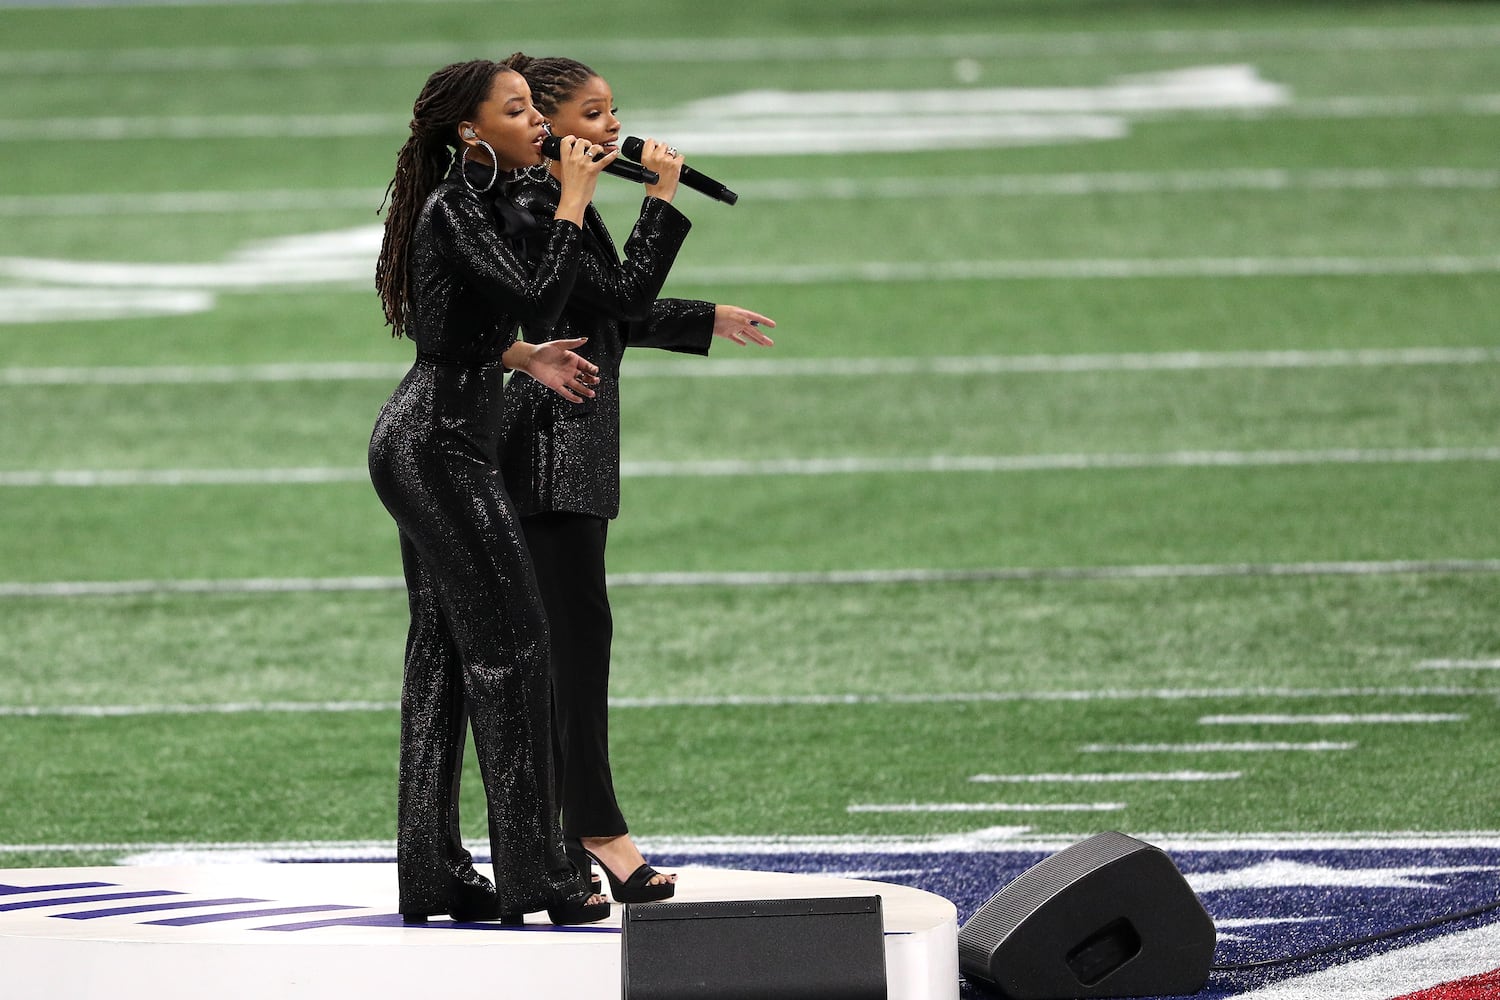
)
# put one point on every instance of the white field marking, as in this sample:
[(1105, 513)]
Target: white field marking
[(221, 708), (104, 588), (762, 468), (107, 4), (993, 364), (1272, 179), (967, 807), (1397, 972), (994, 838), (747, 137), (1043, 463), (759, 125), (190, 202), (182, 477), (1283, 872), (334, 371), (821, 49), (1054, 364), (793, 700), (51, 305), (1333, 719), (1094, 779), (1082, 269), (1320, 747), (344, 257), (350, 270), (762, 122), (1459, 665)]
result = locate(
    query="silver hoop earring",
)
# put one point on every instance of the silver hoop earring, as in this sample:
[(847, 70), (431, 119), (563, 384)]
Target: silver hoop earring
[(494, 161)]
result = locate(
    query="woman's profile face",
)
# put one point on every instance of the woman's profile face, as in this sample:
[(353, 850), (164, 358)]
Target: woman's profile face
[(589, 113), (508, 121)]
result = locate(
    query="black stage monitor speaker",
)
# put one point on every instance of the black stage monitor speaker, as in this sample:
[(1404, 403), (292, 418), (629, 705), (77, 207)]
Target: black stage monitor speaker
[(1110, 916), (761, 949)]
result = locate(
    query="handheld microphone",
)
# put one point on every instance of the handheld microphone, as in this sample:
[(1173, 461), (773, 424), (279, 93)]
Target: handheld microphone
[(552, 149), (700, 182)]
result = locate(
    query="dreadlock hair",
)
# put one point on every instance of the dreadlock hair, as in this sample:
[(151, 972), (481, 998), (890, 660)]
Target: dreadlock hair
[(553, 79), (451, 95)]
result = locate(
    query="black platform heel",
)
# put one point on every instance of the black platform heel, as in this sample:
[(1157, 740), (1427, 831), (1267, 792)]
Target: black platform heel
[(573, 848), (637, 888), (472, 899), (571, 909)]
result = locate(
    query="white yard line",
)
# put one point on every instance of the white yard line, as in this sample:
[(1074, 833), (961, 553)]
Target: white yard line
[(964, 131), (1492, 664), (982, 364), (1248, 747), (288, 585), (994, 838), (1098, 779), (1269, 179), (1333, 719), (791, 48), (814, 700), (967, 807), (762, 468), (1081, 269)]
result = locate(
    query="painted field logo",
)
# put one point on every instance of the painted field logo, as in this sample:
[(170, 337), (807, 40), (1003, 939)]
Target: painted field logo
[(1271, 900)]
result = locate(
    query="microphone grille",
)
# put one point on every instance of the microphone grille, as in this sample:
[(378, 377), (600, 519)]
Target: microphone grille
[(631, 147)]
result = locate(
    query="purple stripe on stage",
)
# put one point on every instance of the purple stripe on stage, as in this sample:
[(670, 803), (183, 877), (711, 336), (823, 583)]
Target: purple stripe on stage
[(210, 918), (176, 904), (15, 890), (394, 920), (28, 904)]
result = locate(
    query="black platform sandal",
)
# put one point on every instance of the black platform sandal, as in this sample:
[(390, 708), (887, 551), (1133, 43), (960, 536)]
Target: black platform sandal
[(472, 901), (637, 888), (573, 848), (573, 909)]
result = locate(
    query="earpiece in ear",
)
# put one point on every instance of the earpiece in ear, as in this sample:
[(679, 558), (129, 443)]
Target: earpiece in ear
[(470, 134)]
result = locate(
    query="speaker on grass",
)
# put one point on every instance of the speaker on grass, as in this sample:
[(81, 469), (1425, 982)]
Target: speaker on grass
[(762, 949), (1110, 916)]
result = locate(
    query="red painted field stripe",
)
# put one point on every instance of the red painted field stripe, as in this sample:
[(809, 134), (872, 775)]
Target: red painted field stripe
[(1485, 987)]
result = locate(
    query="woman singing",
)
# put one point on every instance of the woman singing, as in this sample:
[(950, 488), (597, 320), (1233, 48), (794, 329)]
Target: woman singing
[(562, 463), (451, 279)]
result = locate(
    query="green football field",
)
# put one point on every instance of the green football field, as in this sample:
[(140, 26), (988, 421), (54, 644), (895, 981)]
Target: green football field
[(1128, 458)]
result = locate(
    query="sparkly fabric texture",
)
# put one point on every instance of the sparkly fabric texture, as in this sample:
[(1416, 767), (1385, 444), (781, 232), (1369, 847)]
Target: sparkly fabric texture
[(565, 457), (477, 648)]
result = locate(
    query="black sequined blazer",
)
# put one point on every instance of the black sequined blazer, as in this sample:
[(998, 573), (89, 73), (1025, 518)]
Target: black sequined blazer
[(471, 282), (561, 456)]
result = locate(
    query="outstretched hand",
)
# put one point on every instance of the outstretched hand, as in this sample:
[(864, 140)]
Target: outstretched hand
[(741, 325), (570, 375)]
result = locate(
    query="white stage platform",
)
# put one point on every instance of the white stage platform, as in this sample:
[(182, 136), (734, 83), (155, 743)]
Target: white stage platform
[(330, 931)]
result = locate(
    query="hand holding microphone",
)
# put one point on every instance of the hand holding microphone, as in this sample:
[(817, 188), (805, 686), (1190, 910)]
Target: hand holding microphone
[(700, 182), (552, 149)]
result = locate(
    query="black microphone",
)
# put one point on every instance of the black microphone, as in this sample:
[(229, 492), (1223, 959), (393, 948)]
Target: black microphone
[(552, 149), (692, 178)]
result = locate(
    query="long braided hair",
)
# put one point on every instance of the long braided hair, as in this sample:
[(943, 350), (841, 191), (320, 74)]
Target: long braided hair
[(553, 79), (451, 95)]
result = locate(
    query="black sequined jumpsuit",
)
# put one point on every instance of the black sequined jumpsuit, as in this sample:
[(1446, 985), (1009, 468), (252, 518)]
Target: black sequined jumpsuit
[(477, 648), (562, 465)]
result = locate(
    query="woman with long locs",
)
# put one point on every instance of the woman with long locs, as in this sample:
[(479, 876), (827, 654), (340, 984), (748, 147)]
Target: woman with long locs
[(562, 463), (452, 280)]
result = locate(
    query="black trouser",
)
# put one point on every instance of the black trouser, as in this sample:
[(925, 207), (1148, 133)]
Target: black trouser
[(477, 645), (568, 553)]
